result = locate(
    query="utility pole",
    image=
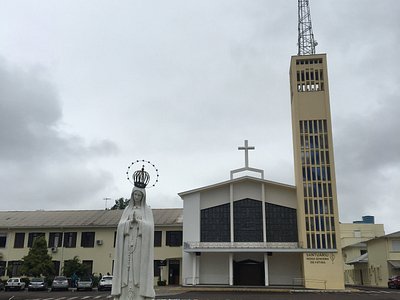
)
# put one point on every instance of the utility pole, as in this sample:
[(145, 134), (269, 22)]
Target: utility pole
[(306, 42)]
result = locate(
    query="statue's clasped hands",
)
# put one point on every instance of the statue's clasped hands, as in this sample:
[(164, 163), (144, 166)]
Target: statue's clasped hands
[(135, 219)]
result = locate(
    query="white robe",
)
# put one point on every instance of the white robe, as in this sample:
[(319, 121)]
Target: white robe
[(134, 253)]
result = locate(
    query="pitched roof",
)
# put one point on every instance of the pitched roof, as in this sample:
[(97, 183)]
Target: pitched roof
[(80, 218), (360, 259), (239, 179)]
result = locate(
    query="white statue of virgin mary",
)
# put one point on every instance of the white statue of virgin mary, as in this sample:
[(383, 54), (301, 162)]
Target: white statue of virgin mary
[(133, 260)]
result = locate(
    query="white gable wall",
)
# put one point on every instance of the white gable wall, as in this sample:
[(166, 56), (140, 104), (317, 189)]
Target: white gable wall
[(279, 195), (247, 189), (214, 197)]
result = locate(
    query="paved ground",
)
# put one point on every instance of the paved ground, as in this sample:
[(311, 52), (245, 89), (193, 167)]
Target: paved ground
[(275, 294), (180, 293)]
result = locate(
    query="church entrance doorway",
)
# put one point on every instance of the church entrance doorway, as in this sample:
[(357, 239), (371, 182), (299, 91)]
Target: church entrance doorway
[(248, 272)]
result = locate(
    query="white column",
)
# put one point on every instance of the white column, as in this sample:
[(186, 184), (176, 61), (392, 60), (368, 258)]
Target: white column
[(194, 271), (266, 269), (231, 211), (264, 220), (230, 268)]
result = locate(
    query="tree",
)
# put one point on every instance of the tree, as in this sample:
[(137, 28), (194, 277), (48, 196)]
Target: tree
[(74, 265), (121, 203), (38, 262)]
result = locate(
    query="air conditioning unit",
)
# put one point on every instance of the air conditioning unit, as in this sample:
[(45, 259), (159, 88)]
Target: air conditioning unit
[(99, 242), (54, 249)]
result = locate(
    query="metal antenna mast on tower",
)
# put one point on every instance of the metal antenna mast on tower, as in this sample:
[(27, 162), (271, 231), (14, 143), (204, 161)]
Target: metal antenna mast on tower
[(306, 43)]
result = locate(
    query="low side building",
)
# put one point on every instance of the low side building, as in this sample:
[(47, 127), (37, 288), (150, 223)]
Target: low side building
[(353, 239), (381, 261), (88, 234), (383, 258)]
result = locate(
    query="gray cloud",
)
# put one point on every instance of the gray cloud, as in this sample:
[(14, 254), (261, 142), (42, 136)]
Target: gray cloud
[(39, 161), (183, 83)]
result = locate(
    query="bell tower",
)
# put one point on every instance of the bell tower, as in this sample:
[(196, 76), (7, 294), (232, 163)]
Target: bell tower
[(317, 212)]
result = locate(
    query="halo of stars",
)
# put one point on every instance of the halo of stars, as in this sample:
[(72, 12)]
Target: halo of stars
[(143, 162)]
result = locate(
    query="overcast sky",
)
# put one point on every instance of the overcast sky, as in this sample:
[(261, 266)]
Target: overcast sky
[(88, 86)]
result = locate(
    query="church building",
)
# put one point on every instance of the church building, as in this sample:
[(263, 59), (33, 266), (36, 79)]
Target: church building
[(241, 232), (252, 231)]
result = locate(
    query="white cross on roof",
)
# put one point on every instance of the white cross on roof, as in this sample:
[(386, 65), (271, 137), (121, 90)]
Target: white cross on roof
[(246, 149)]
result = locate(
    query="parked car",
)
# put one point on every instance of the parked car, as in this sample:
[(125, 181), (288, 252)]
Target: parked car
[(14, 284), (37, 284), (60, 283), (394, 282), (105, 283), (1, 286), (84, 283)]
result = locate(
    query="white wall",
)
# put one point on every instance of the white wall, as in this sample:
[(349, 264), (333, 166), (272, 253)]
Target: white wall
[(283, 268), (191, 231), (247, 189), (215, 197), (214, 268), (280, 196)]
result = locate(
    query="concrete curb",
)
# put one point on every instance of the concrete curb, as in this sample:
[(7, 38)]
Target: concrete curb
[(166, 291)]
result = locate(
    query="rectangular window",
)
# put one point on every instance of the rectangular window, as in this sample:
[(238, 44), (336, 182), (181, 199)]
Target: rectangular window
[(323, 239), (306, 207), (157, 238), (317, 224), (88, 266), (3, 239), (332, 223), (55, 239), (396, 245), (115, 238), (318, 241), (174, 238), (311, 207), (328, 226), (19, 240), (69, 239), (14, 268), (87, 239), (32, 236), (56, 264), (328, 241), (2, 268)]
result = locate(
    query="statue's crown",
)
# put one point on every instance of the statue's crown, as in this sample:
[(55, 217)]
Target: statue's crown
[(141, 178)]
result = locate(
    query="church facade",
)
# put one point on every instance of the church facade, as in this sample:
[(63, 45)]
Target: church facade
[(251, 231), (241, 232)]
